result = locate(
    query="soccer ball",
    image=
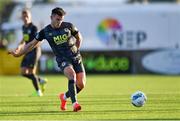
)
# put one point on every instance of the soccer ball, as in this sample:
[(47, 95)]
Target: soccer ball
[(138, 99)]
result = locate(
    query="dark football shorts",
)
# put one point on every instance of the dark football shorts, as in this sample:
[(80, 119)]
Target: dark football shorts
[(30, 60), (76, 64)]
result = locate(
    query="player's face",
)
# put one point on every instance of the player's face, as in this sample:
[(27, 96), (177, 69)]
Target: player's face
[(26, 17), (56, 20)]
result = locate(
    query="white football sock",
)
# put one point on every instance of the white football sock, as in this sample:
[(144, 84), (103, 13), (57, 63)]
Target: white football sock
[(65, 98), (39, 93)]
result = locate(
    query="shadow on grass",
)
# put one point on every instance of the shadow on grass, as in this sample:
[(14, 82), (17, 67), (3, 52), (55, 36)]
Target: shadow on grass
[(31, 113)]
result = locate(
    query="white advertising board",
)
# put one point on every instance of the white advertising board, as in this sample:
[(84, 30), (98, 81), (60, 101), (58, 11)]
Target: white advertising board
[(128, 27), (120, 27), (164, 61)]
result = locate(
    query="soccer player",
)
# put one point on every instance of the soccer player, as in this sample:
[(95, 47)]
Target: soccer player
[(30, 59), (59, 35)]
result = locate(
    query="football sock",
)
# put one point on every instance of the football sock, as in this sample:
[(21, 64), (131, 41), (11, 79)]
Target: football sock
[(71, 90), (74, 104), (41, 80), (67, 94), (39, 92), (34, 80), (77, 89)]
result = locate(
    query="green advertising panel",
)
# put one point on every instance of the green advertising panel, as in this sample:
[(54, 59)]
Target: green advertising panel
[(94, 62)]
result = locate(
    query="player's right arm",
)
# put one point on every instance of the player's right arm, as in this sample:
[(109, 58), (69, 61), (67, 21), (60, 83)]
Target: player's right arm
[(21, 45), (27, 48), (30, 46)]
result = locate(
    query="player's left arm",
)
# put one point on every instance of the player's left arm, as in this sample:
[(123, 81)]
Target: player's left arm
[(76, 33), (79, 38)]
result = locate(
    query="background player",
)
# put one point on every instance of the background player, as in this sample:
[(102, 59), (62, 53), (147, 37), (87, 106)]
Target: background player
[(60, 36), (30, 59)]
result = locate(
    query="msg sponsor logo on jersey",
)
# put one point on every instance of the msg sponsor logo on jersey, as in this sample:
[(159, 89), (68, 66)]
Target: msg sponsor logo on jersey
[(60, 39)]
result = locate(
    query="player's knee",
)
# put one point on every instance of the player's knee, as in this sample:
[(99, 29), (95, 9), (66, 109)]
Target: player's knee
[(71, 76), (70, 73), (27, 71), (24, 73)]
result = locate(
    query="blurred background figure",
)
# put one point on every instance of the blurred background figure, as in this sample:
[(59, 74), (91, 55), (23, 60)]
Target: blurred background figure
[(30, 60)]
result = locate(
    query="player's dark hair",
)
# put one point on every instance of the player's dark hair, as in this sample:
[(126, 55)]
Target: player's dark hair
[(25, 11), (58, 11)]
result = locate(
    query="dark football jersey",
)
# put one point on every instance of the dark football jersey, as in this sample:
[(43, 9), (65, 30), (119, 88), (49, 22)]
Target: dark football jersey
[(60, 39), (29, 32), (31, 58)]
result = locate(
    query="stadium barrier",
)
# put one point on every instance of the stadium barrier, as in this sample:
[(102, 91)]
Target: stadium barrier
[(9, 64), (158, 61)]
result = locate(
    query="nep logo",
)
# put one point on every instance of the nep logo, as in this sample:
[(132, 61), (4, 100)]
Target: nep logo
[(111, 33)]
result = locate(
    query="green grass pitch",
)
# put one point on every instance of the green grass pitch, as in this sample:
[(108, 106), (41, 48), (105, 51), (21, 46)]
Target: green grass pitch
[(106, 97)]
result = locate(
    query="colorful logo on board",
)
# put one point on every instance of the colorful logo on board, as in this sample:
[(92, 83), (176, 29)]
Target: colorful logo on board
[(107, 29)]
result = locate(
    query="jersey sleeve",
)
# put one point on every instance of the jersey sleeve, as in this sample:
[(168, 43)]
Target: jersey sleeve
[(40, 35), (35, 31), (74, 30)]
